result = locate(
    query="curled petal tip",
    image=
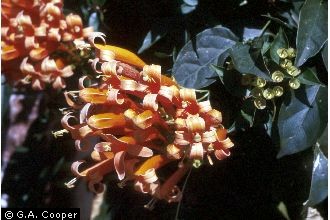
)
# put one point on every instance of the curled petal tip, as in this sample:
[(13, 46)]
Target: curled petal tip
[(92, 36)]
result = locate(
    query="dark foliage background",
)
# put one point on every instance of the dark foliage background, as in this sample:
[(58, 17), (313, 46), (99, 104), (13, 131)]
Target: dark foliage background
[(250, 184)]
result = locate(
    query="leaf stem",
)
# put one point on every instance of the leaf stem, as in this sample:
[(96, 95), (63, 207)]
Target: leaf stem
[(274, 109), (265, 28), (183, 188)]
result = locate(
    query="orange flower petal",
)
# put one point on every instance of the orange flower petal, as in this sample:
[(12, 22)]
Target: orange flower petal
[(93, 95), (106, 120), (154, 162), (221, 154), (38, 53), (123, 55), (9, 52)]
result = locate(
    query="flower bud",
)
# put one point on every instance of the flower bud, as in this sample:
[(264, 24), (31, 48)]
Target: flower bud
[(278, 90), (259, 82), (277, 76), (291, 52), (256, 92), (294, 83), (268, 93), (260, 103), (286, 63), (282, 53), (197, 163), (293, 71)]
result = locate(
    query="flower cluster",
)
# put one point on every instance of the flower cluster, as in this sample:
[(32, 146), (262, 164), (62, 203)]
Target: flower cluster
[(262, 91), (144, 121), (30, 33)]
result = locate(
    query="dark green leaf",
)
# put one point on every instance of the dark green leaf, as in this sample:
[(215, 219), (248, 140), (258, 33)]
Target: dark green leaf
[(323, 141), (186, 9), (280, 41), (231, 79), (191, 69), (152, 37), (279, 21), (299, 125), (247, 117), (283, 210), (312, 29), (94, 21), (309, 77), (265, 48), (219, 70), (244, 63), (325, 54), (319, 186), (191, 2), (250, 33)]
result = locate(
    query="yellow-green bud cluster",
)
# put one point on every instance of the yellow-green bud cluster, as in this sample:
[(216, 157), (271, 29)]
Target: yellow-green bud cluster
[(261, 91), (286, 63)]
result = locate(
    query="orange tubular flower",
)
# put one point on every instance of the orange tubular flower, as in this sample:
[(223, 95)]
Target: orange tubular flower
[(31, 31), (137, 112)]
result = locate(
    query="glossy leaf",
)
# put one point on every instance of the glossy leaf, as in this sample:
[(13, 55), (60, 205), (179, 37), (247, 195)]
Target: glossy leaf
[(280, 41), (191, 68), (279, 21), (151, 38), (323, 141), (186, 9), (312, 29), (191, 2), (325, 54), (94, 21), (231, 79), (309, 77), (250, 33), (300, 123), (319, 186), (244, 63)]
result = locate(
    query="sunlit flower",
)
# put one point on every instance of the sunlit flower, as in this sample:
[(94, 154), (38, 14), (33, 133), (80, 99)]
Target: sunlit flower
[(31, 32), (144, 121)]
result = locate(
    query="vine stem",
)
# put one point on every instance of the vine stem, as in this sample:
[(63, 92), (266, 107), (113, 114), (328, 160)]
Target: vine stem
[(183, 188), (265, 28), (274, 109)]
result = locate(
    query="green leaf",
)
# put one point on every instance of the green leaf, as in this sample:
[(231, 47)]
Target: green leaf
[(279, 21), (283, 210), (265, 48), (312, 29), (191, 68), (191, 2), (319, 186), (280, 41), (325, 54), (323, 141), (309, 77), (151, 38), (186, 9), (94, 21), (244, 63), (231, 79), (247, 117), (300, 125)]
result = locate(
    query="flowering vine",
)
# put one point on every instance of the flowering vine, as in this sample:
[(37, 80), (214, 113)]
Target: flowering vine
[(32, 33), (143, 121)]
